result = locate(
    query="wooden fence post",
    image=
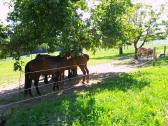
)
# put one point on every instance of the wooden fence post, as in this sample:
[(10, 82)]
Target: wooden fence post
[(164, 51), (154, 56)]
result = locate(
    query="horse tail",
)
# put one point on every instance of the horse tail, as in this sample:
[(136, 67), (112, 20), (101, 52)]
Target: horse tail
[(27, 77)]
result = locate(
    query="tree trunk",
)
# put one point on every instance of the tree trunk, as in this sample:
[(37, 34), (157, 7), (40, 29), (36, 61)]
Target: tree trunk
[(121, 50), (136, 49), (135, 45)]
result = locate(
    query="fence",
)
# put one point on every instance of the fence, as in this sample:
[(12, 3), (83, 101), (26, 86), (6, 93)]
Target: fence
[(94, 70)]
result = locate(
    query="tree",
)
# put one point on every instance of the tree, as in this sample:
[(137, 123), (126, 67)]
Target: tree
[(165, 22), (3, 40), (148, 26), (110, 22), (53, 22)]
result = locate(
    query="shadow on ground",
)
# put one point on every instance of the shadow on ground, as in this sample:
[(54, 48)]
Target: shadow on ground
[(67, 108), (111, 81)]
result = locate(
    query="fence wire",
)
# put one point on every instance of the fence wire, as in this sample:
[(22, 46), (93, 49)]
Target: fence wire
[(44, 85), (45, 95)]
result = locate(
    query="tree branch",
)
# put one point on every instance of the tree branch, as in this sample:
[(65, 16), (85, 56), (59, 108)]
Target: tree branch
[(145, 37)]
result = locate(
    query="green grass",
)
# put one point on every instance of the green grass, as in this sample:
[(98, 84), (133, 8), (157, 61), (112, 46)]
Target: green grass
[(135, 99), (7, 73)]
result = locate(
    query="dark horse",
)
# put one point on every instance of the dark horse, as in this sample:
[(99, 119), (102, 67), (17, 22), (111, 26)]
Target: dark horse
[(49, 66), (71, 72), (48, 57)]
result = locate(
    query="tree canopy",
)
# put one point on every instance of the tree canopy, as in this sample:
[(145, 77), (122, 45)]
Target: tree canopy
[(54, 22), (3, 40), (111, 22)]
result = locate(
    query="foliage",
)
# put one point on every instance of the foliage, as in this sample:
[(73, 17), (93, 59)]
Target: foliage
[(110, 22), (138, 98), (53, 22), (3, 39)]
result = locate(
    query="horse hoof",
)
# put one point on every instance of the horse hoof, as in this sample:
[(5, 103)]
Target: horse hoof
[(83, 82)]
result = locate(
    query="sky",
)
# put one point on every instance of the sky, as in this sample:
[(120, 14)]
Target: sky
[(154, 3), (4, 9)]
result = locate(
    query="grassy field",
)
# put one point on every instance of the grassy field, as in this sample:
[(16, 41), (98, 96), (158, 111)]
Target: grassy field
[(135, 99)]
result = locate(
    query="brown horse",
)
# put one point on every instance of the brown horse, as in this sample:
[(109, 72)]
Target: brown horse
[(46, 56), (49, 66), (146, 52), (34, 69), (71, 72), (80, 61)]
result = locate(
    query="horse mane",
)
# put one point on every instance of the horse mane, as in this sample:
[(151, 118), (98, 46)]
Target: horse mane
[(42, 56)]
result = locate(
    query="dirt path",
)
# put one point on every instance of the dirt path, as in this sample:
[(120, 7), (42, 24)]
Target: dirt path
[(114, 66)]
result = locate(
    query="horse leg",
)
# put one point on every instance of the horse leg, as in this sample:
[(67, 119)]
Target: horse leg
[(55, 85), (36, 85), (87, 71), (61, 74), (46, 79), (70, 73), (55, 79), (74, 71), (28, 82), (26, 87), (29, 87), (29, 90), (84, 73)]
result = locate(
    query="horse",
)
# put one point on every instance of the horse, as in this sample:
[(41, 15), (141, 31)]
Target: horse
[(146, 52), (34, 69), (71, 72), (46, 56), (49, 66), (81, 61)]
